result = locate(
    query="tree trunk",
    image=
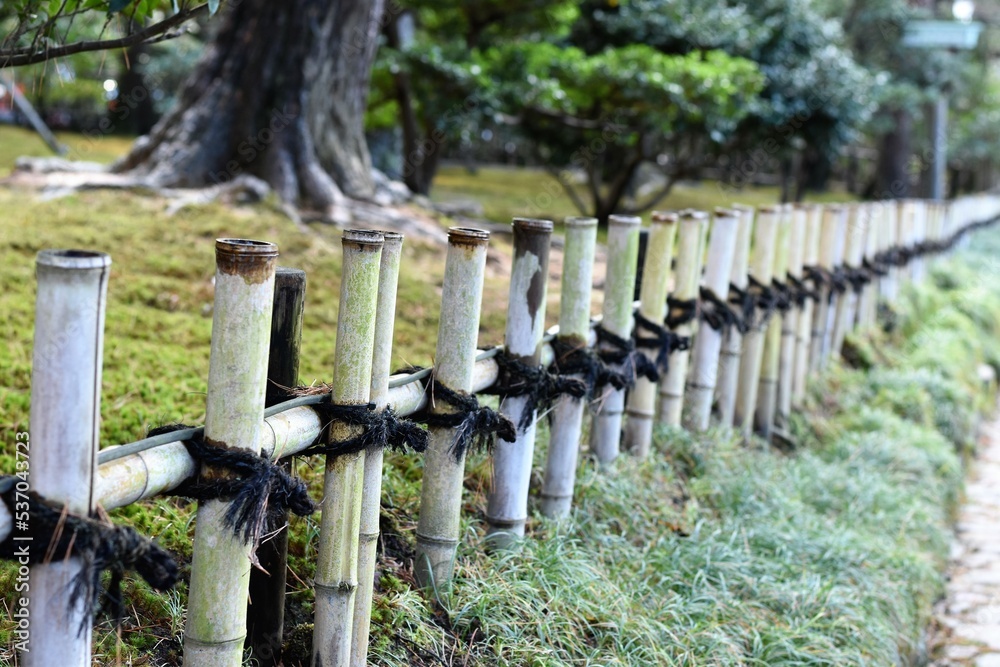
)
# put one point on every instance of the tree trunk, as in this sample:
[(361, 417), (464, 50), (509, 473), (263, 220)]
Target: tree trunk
[(280, 94), (893, 175)]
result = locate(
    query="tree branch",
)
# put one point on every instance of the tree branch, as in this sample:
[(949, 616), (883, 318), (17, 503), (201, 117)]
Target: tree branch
[(30, 55), (568, 187)]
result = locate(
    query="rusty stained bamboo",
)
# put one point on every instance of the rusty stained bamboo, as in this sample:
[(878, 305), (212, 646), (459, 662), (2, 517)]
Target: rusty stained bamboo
[(234, 415), (507, 503), (619, 287), (441, 490), (702, 375), (371, 495), (732, 341), (336, 578), (566, 422), (641, 404), (767, 390), (690, 235), (62, 444), (762, 269)]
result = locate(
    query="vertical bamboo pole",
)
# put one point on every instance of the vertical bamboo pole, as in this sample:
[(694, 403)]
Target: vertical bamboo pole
[(336, 578), (234, 415), (832, 215), (507, 504), (64, 424), (266, 609), (790, 320), (904, 238), (858, 222), (805, 324), (867, 304), (441, 493), (767, 390), (762, 269), (619, 287), (732, 342), (718, 269), (919, 236), (653, 306), (839, 246), (688, 273), (371, 494), (574, 327), (890, 237)]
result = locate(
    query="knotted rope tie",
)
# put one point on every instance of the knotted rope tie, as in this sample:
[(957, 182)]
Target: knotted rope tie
[(663, 341), (743, 301), (475, 425), (873, 268), (782, 296), (766, 301), (375, 429), (538, 384), (799, 293), (680, 311), (622, 352), (716, 313), (260, 492), (46, 533), (575, 358), (857, 278)]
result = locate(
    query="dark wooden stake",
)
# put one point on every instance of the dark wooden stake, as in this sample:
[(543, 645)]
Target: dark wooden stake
[(266, 609)]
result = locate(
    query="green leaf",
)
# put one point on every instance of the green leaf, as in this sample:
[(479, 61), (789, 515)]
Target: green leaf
[(115, 6)]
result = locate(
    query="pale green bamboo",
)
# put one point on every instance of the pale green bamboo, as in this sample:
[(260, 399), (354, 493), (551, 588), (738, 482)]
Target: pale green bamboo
[(790, 320), (803, 336), (653, 306), (767, 390), (234, 416), (732, 343)]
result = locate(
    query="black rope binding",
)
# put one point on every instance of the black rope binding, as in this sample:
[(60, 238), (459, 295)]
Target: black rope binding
[(50, 534), (573, 358), (259, 491), (680, 311), (376, 429), (717, 314), (798, 292), (662, 340), (475, 425), (743, 301), (538, 384), (622, 352)]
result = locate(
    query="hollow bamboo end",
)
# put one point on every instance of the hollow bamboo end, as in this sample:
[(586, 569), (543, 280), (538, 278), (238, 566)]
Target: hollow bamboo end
[(664, 217), (723, 212), (74, 260), (468, 236), (693, 214), (253, 260), (362, 239), (533, 225), (624, 220), (579, 222)]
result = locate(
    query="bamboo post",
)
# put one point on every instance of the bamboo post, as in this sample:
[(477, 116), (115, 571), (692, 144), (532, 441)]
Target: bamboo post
[(336, 578), (234, 415), (767, 390), (371, 494), (839, 245), (441, 492), (507, 505), (732, 341), (919, 236), (688, 273), (652, 306), (803, 336), (266, 610), (62, 443), (790, 320), (701, 379), (889, 237), (858, 222), (762, 269), (619, 286), (869, 295), (566, 421), (832, 216), (904, 239)]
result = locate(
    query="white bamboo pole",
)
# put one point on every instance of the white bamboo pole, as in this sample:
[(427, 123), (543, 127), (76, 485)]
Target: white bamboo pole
[(441, 492), (869, 296), (858, 222), (767, 390), (888, 286), (790, 320), (371, 494), (762, 269), (702, 376), (619, 287), (732, 342), (234, 414), (574, 328), (336, 578), (507, 503), (905, 233), (919, 236), (810, 258), (653, 306), (689, 261), (831, 231), (61, 447), (839, 247)]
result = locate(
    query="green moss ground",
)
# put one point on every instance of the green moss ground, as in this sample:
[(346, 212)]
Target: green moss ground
[(710, 553)]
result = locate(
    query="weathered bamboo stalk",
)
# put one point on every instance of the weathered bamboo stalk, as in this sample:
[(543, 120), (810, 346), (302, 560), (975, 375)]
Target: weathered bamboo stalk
[(804, 332), (441, 493), (701, 379), (234, 415), (839, 247), (690, 233), (61, 446), (762, 269), (858, 222), (371, 495), (830, 232), (653, 306), (619, 286), (919, 236), (790, 320), (732, 341), (266, 609), (767, 390), (336, 578), (566, 422), (888, 285), (507, 504), (866, 300)]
